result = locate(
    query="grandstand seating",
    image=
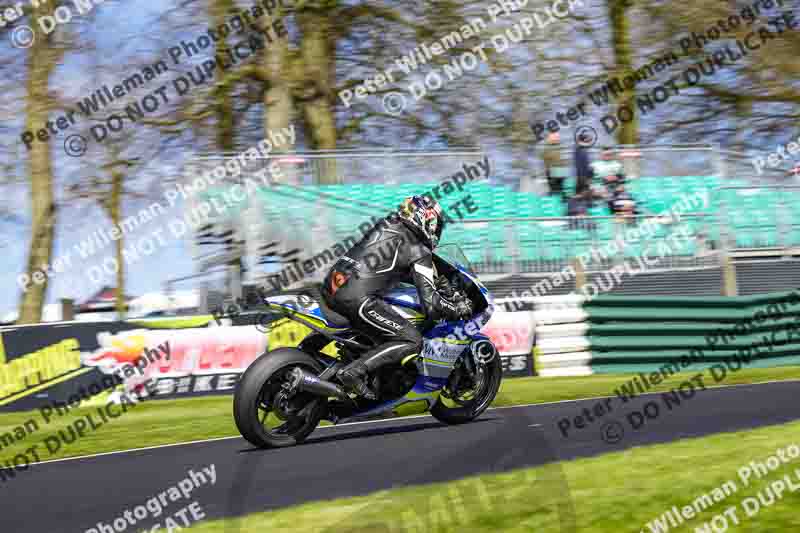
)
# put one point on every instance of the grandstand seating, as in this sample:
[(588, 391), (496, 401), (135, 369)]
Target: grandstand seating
[(754, 220)]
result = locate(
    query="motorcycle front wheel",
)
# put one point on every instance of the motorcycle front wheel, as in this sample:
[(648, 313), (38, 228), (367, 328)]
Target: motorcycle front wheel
[(467, 403)]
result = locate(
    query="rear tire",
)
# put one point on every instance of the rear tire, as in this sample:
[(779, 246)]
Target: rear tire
[(474, 408), (261, 379)]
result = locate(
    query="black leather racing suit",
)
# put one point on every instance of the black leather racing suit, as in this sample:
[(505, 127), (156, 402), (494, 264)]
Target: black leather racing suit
[(391, 252)]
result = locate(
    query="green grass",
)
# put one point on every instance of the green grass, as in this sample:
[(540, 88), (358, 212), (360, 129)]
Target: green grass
[(615, 492), (171, 421), (538, 390), (145, 424)]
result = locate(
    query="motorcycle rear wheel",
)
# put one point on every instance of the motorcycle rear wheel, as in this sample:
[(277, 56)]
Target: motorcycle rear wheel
[(260, 401)]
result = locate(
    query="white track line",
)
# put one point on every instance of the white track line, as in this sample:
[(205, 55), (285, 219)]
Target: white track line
[(91, 456)]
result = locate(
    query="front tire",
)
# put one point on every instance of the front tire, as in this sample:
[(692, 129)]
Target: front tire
[(257, 400), (473, 408)]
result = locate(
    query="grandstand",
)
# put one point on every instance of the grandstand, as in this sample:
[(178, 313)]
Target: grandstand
[(514, 238)]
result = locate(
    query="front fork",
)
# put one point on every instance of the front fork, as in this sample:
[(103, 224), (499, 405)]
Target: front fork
[(468, 365)]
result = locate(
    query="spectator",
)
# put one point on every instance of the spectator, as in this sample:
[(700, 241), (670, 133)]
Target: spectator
[(583, 169), (554, 165), (578, 206), (608, 169), (621, 203)]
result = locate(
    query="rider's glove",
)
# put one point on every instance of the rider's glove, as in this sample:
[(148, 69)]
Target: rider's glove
[(463, 306), (444, 287)]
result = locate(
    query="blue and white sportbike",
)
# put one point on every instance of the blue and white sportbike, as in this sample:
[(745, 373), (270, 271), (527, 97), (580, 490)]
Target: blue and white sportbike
[(285, 393)]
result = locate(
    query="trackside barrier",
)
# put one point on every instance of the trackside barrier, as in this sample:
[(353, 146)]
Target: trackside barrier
[(619, 334), (45, 363), (569, 336), (560, 324), (642, 334)]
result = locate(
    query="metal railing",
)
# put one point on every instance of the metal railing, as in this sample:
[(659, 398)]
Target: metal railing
[(550, 244), (497, 245), (750, 223), (321, 214), (354, 166), (648, 160)]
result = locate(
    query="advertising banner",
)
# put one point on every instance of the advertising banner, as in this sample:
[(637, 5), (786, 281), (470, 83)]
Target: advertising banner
[(54, 364), (40, 364), (193, 361), (51, 364), (513, 334)]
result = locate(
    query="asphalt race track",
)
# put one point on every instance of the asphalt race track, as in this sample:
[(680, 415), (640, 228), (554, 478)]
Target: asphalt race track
[(361, 458)]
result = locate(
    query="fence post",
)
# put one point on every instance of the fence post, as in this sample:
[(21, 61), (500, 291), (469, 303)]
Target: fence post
[(580, 273), (203, 298), (512, 238), (719, 162), (729, 286), (67, 309)]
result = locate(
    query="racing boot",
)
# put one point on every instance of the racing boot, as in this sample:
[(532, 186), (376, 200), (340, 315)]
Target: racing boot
[(354, 377)]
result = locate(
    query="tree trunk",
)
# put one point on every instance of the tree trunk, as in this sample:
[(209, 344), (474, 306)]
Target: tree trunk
[(223, 100), (317, 60), (42, 59), (621, 42), (115, 213), (277, 98)]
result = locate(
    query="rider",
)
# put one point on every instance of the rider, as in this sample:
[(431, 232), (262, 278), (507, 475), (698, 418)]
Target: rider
[(397, 249)]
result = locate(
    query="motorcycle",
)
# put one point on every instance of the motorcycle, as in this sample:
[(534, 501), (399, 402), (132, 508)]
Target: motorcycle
[(285, 393)]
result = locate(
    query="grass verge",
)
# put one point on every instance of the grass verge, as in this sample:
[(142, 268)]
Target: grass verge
[(622, 491), (171, 421)]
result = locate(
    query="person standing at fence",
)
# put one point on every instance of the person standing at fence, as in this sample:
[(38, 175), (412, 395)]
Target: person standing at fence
[(609, 169), (583, 167), (554, 167), (622, 204), (578, 208)]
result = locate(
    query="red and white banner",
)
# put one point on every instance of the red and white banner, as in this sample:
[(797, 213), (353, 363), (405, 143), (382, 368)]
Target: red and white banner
[(192, 360), (511, 332)]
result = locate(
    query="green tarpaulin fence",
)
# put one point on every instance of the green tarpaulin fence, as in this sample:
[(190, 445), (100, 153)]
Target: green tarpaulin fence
[(642, 334)]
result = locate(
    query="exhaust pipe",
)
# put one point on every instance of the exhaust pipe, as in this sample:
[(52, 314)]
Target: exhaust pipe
[(305, 382)]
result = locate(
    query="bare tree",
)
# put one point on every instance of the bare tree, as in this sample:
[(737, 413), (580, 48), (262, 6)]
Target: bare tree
[(43, 57)]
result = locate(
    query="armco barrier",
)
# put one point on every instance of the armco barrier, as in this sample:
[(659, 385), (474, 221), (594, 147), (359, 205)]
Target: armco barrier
[(618, 334)]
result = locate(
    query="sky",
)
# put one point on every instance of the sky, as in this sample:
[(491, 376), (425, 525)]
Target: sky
[(121, 28)]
